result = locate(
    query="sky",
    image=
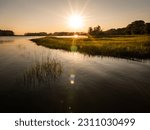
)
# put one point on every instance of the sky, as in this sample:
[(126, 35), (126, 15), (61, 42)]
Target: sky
[(23, 16)]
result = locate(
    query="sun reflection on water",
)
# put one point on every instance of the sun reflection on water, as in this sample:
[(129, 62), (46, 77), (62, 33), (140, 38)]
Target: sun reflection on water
[(72, 79)]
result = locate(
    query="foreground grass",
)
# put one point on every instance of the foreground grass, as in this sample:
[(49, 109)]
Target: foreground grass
[(43, 72), (121, 46)]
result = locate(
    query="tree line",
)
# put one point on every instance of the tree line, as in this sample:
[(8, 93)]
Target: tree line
[(138, 27), (55, 34), (68, 33), (6, 33), (36, 34)]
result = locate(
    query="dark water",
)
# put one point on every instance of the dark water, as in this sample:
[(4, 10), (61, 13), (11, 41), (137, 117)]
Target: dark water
[(80, 83)]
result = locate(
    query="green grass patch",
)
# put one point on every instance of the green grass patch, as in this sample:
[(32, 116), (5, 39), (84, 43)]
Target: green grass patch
[(120, 46)]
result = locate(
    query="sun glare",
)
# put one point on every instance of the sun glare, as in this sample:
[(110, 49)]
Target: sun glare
[(76, 36), (76, 21)]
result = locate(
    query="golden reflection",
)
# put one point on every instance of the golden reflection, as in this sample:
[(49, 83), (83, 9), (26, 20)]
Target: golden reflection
[(72, 82), (76, 36), (72, 79)]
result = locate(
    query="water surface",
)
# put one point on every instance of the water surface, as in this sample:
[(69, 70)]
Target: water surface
[(85, 84)]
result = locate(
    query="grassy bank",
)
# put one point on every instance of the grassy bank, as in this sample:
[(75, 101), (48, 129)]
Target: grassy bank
[(120, 46)]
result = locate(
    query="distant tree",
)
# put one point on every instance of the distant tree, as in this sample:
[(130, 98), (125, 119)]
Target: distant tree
[(110, 32), (137, 27), (128, 29), (90, 30), (96, 31), (147, 28), (36, 34), (63, 33), (6, 33), (50, 34), (121, 31)]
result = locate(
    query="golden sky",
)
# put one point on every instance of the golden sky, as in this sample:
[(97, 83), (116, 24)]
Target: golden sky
[(51, 15)]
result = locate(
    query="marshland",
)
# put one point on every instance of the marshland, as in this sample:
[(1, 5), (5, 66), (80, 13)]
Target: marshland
[(131, 47)]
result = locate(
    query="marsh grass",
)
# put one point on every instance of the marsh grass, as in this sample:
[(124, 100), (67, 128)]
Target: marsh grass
[(44, 72), (117, 46)]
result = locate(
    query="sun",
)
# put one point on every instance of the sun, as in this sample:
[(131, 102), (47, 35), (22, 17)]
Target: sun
[(75, 21)]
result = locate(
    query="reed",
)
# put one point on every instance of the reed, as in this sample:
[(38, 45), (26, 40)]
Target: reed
[(43, 72)]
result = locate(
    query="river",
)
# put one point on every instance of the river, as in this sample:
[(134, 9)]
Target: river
[(37, 79)]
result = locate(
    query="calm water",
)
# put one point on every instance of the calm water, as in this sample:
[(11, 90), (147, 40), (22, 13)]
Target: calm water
[(84, 84)]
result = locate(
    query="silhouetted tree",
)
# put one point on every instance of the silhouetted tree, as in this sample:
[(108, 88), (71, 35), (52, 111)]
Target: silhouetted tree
[(137, 27), (6, 33), (96, 31), (90, 30), (121, 31), (36, 34), (147, 28), (111, 32), (50, 34)]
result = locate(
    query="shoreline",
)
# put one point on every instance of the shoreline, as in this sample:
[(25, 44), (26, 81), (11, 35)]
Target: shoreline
[(137, 47)]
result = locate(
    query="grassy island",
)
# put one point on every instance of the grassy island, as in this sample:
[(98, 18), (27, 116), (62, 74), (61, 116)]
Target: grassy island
[(137, 46)]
